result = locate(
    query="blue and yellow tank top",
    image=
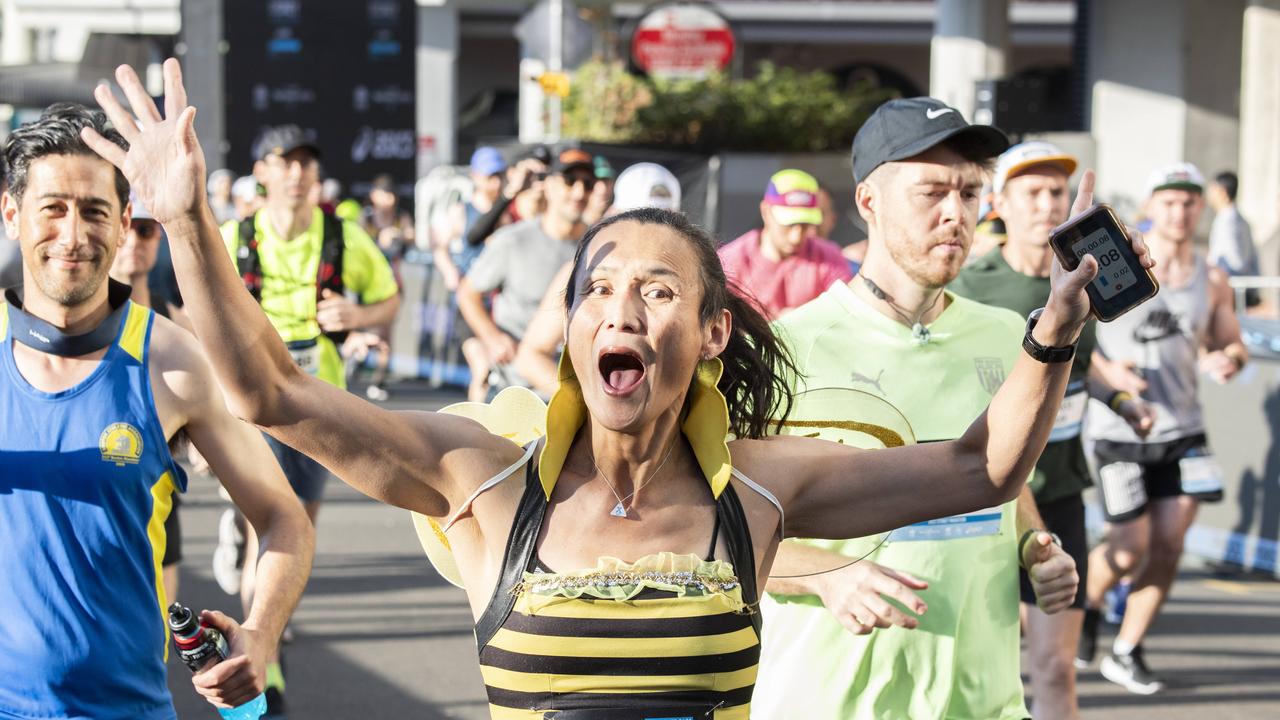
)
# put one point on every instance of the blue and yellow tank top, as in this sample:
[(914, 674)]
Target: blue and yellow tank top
[(86, 482), (668, 636)]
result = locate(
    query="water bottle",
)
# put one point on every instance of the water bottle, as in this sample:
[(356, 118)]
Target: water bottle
[(1117, 599), (201, 646)]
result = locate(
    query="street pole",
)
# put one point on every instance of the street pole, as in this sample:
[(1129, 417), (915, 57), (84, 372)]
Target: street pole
[(556, 66)]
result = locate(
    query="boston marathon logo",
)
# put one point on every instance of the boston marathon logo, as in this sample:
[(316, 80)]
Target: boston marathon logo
[(120, 443)]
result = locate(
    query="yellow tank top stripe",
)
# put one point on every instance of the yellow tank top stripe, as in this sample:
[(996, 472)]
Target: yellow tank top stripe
[(134, 336), (161, 505)]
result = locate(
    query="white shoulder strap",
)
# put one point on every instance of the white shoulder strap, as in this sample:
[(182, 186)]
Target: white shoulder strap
[(782, 516), (487, 484)]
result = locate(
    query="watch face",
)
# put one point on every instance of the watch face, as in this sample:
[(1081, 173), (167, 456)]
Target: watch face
[(1033, 317)]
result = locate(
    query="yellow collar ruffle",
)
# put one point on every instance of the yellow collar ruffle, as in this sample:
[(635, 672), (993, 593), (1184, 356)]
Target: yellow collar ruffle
[(705, 425)]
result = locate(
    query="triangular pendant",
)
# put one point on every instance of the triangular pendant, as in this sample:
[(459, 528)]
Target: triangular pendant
[(618, 510)]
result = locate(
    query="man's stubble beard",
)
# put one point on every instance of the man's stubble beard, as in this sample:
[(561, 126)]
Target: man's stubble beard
[(923, 272), (570, 214), (71, 294)]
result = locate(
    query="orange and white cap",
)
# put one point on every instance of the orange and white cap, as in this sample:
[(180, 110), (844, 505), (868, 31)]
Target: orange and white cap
[(1029, 154)]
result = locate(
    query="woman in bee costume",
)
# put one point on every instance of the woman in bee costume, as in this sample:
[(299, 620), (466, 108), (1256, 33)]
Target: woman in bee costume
[(611, 566)]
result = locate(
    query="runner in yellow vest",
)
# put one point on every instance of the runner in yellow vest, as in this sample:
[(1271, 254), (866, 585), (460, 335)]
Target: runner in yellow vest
[(283, 253)]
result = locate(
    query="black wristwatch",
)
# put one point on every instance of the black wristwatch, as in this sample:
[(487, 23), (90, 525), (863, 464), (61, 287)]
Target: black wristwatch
[(1040, 352)]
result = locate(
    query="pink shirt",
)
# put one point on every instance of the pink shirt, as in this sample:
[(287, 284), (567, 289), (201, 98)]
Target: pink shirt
[(779, 286)]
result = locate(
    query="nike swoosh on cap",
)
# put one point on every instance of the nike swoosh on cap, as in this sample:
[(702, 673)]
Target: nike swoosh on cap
[(937, 112)]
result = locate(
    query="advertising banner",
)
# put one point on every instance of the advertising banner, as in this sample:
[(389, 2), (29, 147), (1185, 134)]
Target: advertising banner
[(344, 71)]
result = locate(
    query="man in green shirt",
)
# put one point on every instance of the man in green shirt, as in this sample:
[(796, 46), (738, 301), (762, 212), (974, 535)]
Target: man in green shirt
[(317, 278), (893, 332), (1031, 197)]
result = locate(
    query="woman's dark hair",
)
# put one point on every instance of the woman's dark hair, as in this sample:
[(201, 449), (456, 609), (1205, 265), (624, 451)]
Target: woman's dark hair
[(57, 132), (756, 362)]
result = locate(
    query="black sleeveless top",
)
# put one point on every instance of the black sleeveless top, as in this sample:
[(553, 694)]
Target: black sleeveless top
[(670, 636)]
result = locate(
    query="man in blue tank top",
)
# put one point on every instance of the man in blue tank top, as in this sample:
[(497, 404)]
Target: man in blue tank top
[(92, 388), (1152, 486)]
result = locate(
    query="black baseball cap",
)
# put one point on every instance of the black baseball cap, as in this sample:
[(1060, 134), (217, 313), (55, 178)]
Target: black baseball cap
[(906, 127), (535, 152), (572, 159), (284, 139)]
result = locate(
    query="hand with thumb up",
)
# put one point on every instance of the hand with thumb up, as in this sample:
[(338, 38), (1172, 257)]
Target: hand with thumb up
[(1051, 570)]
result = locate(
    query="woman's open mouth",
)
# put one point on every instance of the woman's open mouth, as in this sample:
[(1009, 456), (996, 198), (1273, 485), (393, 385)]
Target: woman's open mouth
[(621, 370)]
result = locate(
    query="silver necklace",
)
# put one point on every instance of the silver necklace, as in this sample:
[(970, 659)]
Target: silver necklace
[(620, 510), (918, 331)]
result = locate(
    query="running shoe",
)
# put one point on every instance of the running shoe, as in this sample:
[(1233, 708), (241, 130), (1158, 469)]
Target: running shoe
[(377, 393), (1131, 672), (275, 691), (275, 705), (1088, 645), (228, 556)]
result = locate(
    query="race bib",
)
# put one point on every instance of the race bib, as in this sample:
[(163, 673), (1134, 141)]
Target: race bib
[(306, 355), (972, 524), (1070, 413), (1201, 474), (1123, 490)]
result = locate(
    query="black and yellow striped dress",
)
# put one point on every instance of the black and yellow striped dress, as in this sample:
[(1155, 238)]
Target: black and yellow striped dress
[(668, 636)]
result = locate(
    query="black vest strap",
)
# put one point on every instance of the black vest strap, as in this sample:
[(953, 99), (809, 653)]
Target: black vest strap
[(328, 275), (248, 263), (523, 540), (737, 536), (521, 544)]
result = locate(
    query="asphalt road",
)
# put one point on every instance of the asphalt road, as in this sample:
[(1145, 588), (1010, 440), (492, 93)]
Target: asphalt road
[(380, 635)]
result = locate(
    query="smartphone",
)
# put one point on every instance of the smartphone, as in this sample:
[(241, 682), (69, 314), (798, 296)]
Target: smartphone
[(1122, 283)]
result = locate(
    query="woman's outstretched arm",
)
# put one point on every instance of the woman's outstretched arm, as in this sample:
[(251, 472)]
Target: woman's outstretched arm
[(421, 461)]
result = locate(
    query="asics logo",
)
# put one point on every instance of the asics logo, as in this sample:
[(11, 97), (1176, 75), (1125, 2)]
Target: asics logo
[(935, 113)]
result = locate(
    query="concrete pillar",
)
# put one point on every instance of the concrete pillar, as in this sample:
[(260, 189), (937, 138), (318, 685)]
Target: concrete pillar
[(533, 102), (437, 84), (201, 49), (1259, 167), (15, 41), (970, 43), (1165, 94)]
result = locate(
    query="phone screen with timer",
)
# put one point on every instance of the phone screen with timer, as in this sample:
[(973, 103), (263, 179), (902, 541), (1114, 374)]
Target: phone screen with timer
[(1122, 283)]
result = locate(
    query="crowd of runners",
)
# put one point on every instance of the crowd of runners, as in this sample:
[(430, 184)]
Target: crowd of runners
[(664, 548)]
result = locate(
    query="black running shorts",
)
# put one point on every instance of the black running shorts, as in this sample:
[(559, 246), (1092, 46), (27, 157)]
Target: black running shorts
[(1131, 475), (172, 535), (1065, 518), (306, 476)]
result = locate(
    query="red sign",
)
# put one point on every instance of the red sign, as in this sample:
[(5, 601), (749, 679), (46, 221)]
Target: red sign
[(685, 41)]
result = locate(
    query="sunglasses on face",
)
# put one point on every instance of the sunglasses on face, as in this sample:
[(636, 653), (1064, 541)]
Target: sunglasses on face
[(146, 229), (588, 181)]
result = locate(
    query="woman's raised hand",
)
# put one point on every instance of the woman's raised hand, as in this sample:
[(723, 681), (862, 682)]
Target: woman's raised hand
[(164, 163)]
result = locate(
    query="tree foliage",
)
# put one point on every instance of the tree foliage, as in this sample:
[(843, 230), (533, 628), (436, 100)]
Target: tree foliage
[(776, 110)]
